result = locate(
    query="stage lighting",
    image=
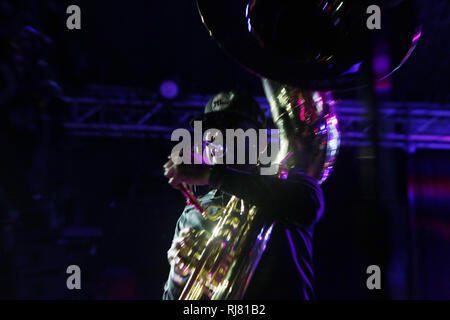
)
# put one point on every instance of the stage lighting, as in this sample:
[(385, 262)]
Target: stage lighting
[(169, 89)]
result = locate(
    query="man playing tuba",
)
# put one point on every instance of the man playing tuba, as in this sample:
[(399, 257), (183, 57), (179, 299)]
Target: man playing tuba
[(292, 198)]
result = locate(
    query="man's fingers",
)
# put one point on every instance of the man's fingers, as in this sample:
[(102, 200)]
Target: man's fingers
[(174, 178), (168, 164), (182, 269), (176, 255), (170, 172), (185, 231), (178, 263), (172, 255), (175, 182)]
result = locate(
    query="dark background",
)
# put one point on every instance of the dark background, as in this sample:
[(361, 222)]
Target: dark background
[(103, 203)]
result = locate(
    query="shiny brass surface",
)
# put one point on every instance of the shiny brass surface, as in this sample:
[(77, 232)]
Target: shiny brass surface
[(308, 128), (222, 263)]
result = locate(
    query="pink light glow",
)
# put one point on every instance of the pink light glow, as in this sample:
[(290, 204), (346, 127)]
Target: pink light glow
[(332, 121), (417, 36)]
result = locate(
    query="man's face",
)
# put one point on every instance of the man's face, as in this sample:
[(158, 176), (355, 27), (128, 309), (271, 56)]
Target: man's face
[(215, 147)]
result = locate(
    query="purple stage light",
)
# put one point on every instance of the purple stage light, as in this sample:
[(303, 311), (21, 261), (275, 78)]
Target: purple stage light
[(382, 64), (169, 89)]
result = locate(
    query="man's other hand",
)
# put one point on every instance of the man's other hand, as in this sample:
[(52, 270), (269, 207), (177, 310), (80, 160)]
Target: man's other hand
[(190, 174)]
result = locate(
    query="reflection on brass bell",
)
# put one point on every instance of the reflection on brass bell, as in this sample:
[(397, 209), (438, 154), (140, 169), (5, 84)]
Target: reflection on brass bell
[(311, 44)]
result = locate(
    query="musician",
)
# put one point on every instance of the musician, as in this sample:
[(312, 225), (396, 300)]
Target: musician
[(296, 203)]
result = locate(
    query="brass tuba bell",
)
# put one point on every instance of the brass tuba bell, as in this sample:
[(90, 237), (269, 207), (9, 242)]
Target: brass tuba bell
[(310, 44)]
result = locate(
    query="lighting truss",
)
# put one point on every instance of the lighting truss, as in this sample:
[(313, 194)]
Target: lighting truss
[(404, 125)]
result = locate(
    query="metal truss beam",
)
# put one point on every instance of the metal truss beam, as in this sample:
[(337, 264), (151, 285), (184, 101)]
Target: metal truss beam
[(406, 125)]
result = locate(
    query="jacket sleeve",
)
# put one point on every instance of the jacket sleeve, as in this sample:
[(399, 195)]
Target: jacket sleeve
[(298, 199)]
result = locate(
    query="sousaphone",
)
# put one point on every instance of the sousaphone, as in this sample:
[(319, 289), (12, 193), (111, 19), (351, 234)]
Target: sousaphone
[(302, 50)]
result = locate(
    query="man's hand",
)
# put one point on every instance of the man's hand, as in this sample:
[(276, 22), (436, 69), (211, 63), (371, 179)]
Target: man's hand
[(184, 253), (176, 260), (190, 174)]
